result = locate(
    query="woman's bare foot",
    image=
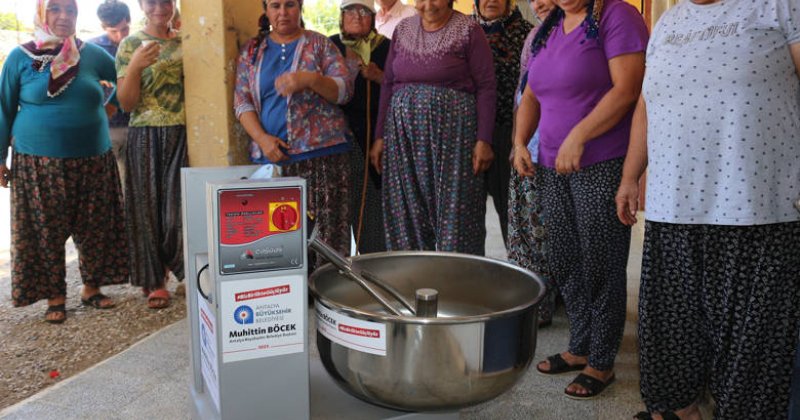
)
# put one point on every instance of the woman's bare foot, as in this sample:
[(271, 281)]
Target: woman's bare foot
[(89, 291), (601, 375), (56, 316), (691, 412), (158, 298), (568, 357)]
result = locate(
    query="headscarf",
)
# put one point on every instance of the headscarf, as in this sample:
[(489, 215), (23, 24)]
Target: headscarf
[(506, 36), (63, 54), (511, 5), (591, 25), (364, 46)]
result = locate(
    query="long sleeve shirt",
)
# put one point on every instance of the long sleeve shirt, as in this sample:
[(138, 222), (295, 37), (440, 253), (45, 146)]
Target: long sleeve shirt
[(457, 56), (73, 124)]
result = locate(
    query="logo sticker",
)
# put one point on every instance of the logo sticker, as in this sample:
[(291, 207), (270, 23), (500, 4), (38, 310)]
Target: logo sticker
[(243, 315)]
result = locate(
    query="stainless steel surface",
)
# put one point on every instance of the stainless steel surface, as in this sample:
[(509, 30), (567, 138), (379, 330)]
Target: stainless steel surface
[(343, 265), (391, 290), (479, 345), (427, 302)]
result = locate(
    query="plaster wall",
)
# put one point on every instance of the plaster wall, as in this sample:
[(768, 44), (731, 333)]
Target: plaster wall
[(213, 31)]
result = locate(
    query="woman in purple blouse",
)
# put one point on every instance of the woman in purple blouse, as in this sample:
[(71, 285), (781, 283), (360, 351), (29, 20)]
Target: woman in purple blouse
[(588, 59), (435, 126)]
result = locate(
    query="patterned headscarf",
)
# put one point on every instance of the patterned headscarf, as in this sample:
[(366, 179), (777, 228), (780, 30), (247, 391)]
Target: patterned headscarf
[(591, 25), (511, 5), (63, 54), (364, 46)]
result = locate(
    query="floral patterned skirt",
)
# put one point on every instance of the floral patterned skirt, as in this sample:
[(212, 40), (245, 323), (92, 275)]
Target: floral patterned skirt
[(527, 236), (328, 183), (431, 198), (53, 199)]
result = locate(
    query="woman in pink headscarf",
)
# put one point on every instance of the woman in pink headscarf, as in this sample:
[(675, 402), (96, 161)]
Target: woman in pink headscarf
[(63, 174)]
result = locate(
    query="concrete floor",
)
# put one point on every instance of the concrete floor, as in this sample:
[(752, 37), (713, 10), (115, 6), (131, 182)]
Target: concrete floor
[(150, 380)]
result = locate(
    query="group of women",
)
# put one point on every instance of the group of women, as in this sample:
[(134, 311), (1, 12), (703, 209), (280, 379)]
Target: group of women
[(54, 115), (459, 95), (400, 142)]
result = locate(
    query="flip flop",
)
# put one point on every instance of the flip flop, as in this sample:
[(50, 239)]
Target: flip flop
[(52, 309), (95, 301), (158, 299), (668, 415), (558, 366), (593, 386)]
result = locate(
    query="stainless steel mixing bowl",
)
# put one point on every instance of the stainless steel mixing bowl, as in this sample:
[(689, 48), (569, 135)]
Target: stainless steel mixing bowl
[(480, 344)]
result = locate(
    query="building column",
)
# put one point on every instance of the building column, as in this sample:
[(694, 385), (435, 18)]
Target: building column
[(212, 33)]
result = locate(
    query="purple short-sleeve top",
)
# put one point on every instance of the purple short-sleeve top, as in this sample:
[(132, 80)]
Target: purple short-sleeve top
[(572, 76)]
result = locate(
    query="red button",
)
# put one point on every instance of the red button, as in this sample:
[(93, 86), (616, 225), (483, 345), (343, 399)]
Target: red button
[(284, 217)]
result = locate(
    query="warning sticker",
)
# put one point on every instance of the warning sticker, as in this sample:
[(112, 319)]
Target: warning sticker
[(356, 334), (262, 318)]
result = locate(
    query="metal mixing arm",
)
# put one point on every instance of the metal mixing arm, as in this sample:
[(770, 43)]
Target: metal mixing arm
[(345, 268)]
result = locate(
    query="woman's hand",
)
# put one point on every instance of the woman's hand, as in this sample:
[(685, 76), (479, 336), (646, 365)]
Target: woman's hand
[(569, 155), (289, 83), (144, 56), (627, 200), (522, 161), (5, 176), (375, 155), (271, 147), (372, 72), (482, 157)]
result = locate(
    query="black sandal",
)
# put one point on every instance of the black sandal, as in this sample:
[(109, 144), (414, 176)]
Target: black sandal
[(56, 309), (558, 366), (95, 299), (593, 386), (644, 415)]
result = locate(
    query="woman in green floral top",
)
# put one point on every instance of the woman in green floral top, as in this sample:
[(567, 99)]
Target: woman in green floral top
[(150, 86)]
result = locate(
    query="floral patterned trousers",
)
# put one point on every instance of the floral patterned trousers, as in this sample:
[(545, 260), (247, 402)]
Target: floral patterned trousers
[(53, 199)]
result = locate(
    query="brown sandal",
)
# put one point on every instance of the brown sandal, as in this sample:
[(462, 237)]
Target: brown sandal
[(158, 299)]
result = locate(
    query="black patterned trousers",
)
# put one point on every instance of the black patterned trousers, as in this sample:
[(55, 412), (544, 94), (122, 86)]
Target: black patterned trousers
[(154, 157), (588, 256), (719, 308), (498, 177), (328, 184)]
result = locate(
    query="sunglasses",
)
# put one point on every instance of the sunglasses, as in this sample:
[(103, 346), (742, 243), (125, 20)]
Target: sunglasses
[(357, 12)]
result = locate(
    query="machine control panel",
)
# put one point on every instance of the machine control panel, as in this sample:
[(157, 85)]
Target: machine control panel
[(260, 229)]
